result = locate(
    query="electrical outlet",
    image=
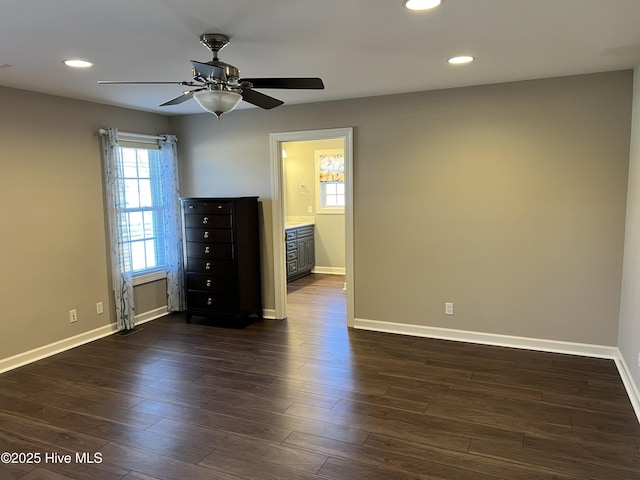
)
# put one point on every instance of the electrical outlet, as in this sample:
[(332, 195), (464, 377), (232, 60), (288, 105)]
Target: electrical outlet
[(448, 308), (73, 316), (99, 308), (310, 209)]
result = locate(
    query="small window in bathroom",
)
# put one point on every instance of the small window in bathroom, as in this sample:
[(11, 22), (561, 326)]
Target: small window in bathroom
[(331, 187)]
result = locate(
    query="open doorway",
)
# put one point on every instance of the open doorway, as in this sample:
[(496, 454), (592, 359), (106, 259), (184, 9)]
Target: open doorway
[(305, 208)]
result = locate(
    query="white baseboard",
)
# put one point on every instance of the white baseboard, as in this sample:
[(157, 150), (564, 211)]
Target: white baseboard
[(329, 270), (554, 346), (543, 345), (39, 353), (269, 313), (629, 384), (150, 315)]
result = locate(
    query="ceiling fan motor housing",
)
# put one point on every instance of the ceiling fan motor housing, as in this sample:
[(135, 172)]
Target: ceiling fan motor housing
[(229, 74), (216, 42)]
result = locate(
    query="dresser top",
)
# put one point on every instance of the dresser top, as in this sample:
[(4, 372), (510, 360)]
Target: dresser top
[(214, 199)]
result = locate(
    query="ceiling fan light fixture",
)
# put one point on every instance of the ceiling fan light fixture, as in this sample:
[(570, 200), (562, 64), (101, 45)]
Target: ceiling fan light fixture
[(418, 5), (217, 102)]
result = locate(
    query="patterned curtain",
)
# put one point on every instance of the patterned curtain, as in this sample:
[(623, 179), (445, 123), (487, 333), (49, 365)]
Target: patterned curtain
[(120, 253), (331, 168), (172, 224)]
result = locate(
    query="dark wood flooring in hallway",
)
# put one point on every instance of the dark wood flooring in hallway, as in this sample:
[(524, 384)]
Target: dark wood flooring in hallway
[(306, 398)]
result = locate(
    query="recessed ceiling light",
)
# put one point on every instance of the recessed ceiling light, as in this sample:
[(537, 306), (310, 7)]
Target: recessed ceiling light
[(421, 4), (459, 60), (76, 63)]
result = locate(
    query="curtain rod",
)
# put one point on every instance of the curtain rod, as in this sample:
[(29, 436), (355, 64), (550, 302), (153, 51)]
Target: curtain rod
[(136, 136)]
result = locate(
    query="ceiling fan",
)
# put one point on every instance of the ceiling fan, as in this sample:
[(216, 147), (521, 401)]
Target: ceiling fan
[(219, 88)]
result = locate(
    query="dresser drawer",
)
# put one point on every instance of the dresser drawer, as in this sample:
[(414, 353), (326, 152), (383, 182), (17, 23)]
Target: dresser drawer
[(209, 235), (215, 267), (208, 221), (292, 255), (211, 283), (221, 251), (213, 302), (207, 206), (290, 234)]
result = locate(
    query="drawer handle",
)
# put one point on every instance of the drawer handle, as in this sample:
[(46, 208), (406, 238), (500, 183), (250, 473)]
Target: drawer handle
[(209, 301), (208, 282), (208, 266), (205, 220), (206, 235), (219, 206), (206, 249)]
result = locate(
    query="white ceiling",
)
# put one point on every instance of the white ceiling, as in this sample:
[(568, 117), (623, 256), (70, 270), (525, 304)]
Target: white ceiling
[(358, 47)]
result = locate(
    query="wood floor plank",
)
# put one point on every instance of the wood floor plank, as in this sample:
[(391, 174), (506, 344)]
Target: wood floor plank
[(30, 409), (581, 468), (339, 469), (220, 462), (139, 476), (78, 390), (187, 450), (247, 447), (463, 460), (431, 434), (539, 427), (44, 474), (45, 433), (289, 423), (156, 465), (215, 419), (383, 459), (491, 402), (577, 451), (208, 389), (612, 421)]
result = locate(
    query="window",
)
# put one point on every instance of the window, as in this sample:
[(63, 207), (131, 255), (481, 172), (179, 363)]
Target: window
[(332, 194), (143, 214), (331, 191), (142, 210)]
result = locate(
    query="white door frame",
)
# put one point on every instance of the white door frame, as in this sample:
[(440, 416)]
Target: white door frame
[(277, 181)]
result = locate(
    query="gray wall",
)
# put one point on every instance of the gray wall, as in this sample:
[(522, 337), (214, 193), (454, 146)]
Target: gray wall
[(629, 336), (508, 200), (53, 242)]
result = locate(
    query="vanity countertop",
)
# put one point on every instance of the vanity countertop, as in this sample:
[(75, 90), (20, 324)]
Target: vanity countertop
[(287, 226), (299, 221)]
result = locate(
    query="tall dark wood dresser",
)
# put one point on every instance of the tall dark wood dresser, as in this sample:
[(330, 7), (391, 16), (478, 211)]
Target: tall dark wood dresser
[(222, 258)]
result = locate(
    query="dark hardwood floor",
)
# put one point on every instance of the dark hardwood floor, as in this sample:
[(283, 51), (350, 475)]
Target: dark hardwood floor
[(306, 398)]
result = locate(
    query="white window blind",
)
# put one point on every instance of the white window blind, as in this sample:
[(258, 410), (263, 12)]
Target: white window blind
[(142, 210)]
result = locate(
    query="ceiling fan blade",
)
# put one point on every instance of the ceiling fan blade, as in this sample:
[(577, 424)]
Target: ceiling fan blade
[(182, 98), (301, 83), (260, 99), (117, 82), (209, 71)]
